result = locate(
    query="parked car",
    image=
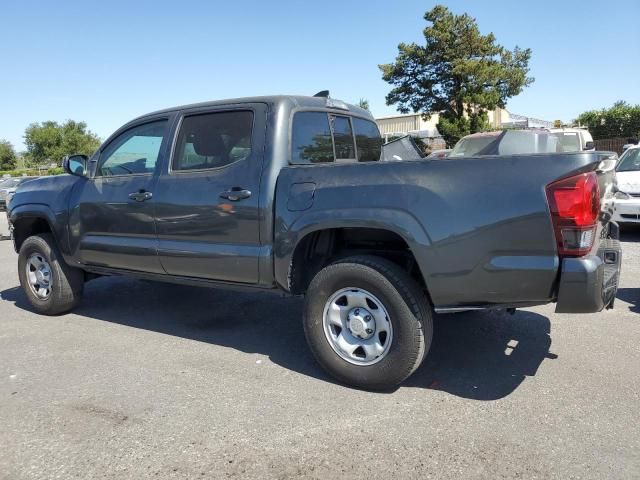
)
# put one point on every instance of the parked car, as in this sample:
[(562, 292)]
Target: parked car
[(8, 187), (505, 142), (574, 139), (627, 201), (401, 148), (288, 193), (512, 142), (444, 153)]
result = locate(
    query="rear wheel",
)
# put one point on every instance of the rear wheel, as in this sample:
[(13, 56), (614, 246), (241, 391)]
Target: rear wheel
[(367, 322), (52, 286)]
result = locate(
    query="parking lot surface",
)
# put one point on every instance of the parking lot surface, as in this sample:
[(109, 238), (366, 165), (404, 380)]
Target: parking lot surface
[(150, 380)]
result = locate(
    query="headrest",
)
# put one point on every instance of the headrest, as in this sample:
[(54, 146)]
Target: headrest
[(208, 144)]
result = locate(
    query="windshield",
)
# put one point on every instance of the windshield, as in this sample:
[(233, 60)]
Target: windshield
[(630, 161), (468, 147)]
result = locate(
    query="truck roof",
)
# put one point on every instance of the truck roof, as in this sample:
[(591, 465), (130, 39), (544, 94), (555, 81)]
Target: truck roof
[(293, 101)]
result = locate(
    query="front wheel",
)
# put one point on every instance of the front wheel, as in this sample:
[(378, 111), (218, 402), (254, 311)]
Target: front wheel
[(52, 286), (367, 322)]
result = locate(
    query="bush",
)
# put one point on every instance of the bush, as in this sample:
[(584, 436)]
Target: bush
[(18, 173), (621, 120), (32, 172), (55, 171)]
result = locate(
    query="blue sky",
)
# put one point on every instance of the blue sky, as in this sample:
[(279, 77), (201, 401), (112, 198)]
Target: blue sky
[(107, 62)]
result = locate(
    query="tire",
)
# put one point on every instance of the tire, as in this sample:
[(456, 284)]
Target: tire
[(409, 316), (66, 282)]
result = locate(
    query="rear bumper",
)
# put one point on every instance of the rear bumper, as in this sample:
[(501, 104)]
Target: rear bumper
[(589, 284)]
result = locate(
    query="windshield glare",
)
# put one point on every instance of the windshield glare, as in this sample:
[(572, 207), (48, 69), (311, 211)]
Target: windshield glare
[(8, 183), (630, 161), (468, 147)]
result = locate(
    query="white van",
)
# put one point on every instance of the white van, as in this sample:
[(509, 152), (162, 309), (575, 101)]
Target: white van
[(573, 139)]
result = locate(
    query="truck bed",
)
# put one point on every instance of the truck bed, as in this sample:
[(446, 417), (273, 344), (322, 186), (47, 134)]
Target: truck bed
[(479, 228)]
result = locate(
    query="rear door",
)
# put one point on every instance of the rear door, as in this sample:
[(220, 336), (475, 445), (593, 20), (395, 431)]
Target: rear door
[(112, 214), (207, 198)]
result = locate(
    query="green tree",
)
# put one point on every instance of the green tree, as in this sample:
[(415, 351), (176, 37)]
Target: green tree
[(7, 156), (363, 103), (48, 142), (458, 73), (621, 120)]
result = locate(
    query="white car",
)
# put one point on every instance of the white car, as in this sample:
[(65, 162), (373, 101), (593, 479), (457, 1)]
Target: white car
[(627, 201)]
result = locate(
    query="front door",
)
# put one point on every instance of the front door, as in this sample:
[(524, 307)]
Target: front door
[(207, 202), (112, 216)]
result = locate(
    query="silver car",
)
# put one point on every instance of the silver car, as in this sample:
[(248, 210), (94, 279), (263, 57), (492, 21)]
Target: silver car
[(8, 187)]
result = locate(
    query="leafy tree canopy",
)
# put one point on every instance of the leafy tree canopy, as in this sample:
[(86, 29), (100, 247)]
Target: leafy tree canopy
[(458, 72), (364, 103), (50, 141), (621, 120), (7, 156)]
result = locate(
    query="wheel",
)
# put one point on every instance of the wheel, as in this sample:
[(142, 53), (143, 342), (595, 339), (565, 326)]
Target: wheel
[(367, 322), (52, 286)]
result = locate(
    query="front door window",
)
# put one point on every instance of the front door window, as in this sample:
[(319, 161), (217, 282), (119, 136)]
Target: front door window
[(133, 152)]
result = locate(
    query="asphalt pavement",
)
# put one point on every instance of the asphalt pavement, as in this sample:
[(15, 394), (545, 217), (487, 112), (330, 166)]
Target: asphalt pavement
[(150, 380)]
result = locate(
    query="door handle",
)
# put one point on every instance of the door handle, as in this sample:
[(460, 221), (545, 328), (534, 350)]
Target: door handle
[(235, 194), (140, 196)]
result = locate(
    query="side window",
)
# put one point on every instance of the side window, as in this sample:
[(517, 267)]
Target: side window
[(311, 139), (342, 137), (368, 140), (133, 152), (213, 140)]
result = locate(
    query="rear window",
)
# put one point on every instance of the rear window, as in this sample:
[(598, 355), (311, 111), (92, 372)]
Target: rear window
[(319, 137), (368, 140), (343, 137), (568, 142)]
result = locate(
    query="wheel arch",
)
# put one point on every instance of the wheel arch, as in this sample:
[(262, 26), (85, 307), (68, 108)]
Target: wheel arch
[(317, 245), (29, 220)]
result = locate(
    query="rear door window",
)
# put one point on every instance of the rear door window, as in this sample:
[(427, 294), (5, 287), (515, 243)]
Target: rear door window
[(213, 140), (368, 140)]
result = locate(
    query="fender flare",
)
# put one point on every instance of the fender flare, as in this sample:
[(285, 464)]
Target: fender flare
[(40, 211), (399, 222)]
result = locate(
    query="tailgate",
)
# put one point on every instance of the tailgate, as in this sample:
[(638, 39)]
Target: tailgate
[(589, 283)]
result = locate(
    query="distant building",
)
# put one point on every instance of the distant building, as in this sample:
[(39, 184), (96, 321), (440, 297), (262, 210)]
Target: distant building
[(409, 124)]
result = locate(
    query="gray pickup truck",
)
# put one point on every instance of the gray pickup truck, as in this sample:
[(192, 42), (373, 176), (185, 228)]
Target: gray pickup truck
[(288, 193)]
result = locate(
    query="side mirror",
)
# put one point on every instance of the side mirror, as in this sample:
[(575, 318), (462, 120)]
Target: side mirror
[(589, 146), (75, 164)]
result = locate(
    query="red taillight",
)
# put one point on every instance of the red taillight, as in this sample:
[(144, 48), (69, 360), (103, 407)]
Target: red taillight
[(574, 203)]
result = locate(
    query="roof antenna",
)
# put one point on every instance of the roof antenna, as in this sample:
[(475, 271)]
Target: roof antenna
[(322, 94)]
